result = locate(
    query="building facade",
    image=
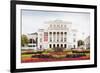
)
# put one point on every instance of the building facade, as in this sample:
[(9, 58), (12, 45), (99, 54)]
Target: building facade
[(32, 41), (58, 34)]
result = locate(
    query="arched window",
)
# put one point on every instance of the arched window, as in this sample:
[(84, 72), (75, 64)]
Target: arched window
[(50, 32), (65, 33), (65, 26), (57, 32), (57, 26), (54, 33), (54, 26), (61, 32)]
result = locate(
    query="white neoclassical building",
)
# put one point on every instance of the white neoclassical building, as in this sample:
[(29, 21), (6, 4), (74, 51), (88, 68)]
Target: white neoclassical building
[(59, 34)]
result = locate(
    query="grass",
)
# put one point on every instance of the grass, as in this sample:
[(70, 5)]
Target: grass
[(26, 55)]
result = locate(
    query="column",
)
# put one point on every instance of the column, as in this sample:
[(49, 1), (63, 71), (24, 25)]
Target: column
[(56, 36)]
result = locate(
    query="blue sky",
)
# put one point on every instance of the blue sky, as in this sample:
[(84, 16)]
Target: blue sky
[(33, 20)]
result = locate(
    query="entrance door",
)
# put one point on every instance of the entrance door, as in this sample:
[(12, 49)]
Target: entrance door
[(57, 45)]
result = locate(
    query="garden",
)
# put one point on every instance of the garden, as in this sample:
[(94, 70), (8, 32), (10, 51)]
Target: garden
[(49, 55)]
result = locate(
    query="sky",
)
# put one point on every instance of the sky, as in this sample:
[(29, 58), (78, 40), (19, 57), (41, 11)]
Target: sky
[(32, 20)]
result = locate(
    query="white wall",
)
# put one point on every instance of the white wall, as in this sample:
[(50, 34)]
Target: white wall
[(5, 35)]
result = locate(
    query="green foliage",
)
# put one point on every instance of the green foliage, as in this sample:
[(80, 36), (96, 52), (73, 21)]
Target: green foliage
[(24, 40), (80, 43)]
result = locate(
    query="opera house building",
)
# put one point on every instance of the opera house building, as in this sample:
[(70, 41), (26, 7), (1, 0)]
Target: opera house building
[(57, 34)]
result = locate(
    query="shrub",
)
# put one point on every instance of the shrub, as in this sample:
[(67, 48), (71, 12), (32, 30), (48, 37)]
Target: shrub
[(75, 55), (84, 51), (42, 56)]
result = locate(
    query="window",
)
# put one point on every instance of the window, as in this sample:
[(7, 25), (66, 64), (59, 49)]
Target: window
[(65, 40), (74, 46), (61, 32), (50, 25), (74, 40), (65, 33), (34, 46), (54, 39), (50, 39), (46, 33), (50, 32), (65, 26), (40, 46), (30, 41), (61, 39), (40, 39), (29, 45), (57, 26), (58, 33), (54, 33), (61, 26)]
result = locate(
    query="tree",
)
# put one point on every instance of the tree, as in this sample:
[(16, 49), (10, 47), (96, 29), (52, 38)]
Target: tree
[(24, 40), (80, 43)]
